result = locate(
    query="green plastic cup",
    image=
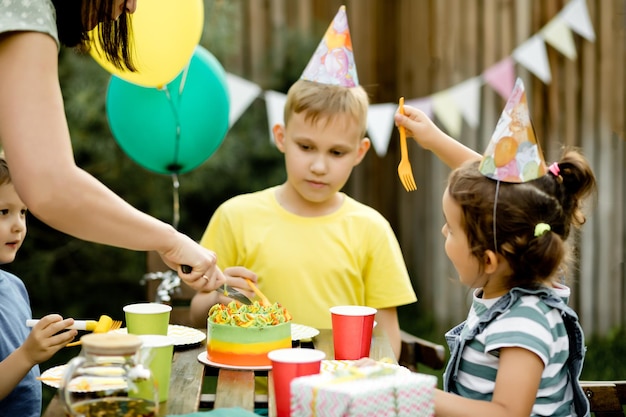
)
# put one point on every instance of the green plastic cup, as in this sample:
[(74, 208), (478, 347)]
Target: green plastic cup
[(156, 354), (147, 318)]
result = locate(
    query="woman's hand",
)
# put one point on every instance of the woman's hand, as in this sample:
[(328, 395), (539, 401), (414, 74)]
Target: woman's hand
[(196, 265)]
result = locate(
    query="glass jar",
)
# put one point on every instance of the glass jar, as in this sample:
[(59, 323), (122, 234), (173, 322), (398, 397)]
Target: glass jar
[(108, 380)]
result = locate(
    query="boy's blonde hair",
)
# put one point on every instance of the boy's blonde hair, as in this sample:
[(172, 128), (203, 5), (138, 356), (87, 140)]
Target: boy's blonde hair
[(322, 101)]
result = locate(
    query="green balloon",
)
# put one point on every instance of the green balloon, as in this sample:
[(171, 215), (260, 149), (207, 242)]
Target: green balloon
[(175, 128)]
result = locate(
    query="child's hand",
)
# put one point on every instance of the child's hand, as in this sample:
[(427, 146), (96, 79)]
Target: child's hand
[(418, 126), (236, 277), (421, 128), (47, 337)]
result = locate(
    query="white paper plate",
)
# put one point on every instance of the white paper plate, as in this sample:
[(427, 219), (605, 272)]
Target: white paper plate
[(182, 335), (52, 377), (202, 357), (300, 331), (328, 366)]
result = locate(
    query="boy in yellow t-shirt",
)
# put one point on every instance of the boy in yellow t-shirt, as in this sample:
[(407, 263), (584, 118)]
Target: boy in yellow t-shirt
[(310, 245)]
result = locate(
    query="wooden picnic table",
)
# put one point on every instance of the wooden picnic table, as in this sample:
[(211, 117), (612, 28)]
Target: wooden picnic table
[(235, 388)]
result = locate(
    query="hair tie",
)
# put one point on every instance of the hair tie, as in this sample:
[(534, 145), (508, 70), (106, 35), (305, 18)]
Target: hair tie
[(542, 228), (554, 169)]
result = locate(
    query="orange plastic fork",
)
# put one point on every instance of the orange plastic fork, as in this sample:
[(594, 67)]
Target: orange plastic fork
[(404, 168), (264, 301)]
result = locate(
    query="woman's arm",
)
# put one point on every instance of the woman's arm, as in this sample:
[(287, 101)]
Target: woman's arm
[(517, 383), (36, 141)]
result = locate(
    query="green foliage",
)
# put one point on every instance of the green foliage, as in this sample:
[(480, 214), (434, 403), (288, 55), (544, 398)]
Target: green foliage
[(604, 360)]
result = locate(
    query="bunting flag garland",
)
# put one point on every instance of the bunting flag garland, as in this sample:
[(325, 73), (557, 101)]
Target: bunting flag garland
[(576, 16), (275, 103), (466, 96), (533, 55), (242, 93), (460, 102), (447, 112), (558, 35), (501, 76), (379, 130)]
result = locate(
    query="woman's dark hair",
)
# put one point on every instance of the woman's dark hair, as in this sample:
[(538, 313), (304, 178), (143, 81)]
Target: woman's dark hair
[(75, 18), (555, 200)]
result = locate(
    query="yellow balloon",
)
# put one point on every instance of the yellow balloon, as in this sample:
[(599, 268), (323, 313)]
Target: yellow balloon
[(164, 37)]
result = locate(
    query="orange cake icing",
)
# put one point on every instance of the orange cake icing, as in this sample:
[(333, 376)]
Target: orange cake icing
[(242, 335)]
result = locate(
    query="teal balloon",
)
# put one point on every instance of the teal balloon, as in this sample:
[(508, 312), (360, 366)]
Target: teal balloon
[(175, 128)]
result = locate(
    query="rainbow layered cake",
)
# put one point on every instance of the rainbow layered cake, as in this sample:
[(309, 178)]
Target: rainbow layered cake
[(242, 335)]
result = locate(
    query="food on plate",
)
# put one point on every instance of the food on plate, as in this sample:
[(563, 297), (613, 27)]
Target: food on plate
[(242, 335)]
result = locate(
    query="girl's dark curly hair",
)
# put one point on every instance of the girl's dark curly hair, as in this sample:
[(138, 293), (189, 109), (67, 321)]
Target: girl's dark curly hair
[(552, 199), (74, 21)]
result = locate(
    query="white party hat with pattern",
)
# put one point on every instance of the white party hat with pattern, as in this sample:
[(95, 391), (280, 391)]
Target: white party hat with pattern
[(513, 154), (333, 60)]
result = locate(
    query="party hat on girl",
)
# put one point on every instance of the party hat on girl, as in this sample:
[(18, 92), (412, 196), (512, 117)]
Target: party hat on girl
[(333, 60), (513, 154)]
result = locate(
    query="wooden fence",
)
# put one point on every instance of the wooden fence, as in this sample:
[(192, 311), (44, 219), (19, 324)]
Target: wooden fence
[(415, 48)]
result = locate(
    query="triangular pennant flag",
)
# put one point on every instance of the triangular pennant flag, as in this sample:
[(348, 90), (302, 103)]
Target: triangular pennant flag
[(532, 54), (242, 93), (513, 154), (333, 60), (576, 15), (424, 104), (559, 35), (380, 125), (501, 76), (467, 98), (448, 114), (275, 104)]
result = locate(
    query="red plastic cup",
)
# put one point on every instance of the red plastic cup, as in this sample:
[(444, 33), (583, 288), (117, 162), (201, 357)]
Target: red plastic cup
[(288, 364), (352, 331)]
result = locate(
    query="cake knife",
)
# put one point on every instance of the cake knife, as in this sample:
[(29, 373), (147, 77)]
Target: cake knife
[(231, 292)]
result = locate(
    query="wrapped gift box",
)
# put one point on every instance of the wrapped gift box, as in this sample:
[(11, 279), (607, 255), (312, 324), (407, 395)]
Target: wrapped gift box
[(376, 391)]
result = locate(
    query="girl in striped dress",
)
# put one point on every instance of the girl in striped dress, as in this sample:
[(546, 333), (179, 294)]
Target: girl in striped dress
[(508, 216), (520, 351)]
